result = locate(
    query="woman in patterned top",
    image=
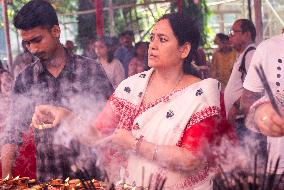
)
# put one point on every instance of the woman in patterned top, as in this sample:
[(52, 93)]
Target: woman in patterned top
[(112, 67), (162, 120)]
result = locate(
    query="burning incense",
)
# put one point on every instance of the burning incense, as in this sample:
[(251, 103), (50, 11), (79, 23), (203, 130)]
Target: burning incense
[(244, 180)]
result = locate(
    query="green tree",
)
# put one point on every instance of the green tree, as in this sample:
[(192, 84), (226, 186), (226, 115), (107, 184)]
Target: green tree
[(61, 7), (199, 11), (86, 23)]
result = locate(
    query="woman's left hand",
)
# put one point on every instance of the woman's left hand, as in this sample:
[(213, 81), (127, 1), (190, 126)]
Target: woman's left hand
[(123, 139)]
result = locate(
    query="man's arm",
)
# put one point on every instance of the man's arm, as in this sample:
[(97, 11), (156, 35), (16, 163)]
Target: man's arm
[(234, 111), (247, 99), (8, 154)]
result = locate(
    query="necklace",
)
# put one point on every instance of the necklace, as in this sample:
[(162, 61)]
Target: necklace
[(146, 95)]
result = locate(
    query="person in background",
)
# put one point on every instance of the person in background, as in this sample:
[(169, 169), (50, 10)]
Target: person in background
[(69, 45), (22, 60), (162, 120), (222, 60), (58, 77), (6, 83), (115, 44), (199, 62), (242, 37), (126, 51), (137, 63), (261, 116), (112, 67), (89, 50)]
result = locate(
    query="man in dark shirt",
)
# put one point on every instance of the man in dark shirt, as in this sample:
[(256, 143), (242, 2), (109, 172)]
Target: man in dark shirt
[(57, 77), (126, 51)]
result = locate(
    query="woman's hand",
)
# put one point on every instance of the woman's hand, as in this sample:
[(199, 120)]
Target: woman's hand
[(123, 139), (268, 121), (48, 116)]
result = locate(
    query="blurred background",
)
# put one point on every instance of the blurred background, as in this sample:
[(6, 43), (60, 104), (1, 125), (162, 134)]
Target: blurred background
[(82, 20)]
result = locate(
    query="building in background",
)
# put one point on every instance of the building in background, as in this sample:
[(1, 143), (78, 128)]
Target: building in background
[(225, 12), (2, 39)]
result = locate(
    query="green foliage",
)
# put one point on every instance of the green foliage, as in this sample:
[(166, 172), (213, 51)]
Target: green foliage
[(13, 8), (139, 19), (64, 6), (86, 23), (200, 12), (61, 6)]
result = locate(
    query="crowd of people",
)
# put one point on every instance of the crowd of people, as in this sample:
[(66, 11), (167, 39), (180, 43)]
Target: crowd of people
[(160, 109)]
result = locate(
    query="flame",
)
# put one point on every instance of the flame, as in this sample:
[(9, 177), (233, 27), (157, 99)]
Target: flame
[(67, 179), (93, 180), (78, 185), (6, 178), (126, 186), (41, 126), (17, 178)]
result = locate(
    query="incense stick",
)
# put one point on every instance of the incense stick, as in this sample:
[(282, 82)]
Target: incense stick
[(267, 88), (241, 179)]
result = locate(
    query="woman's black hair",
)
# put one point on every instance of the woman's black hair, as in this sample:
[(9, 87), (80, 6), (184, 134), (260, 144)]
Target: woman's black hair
[(185, 30), (108, 42)]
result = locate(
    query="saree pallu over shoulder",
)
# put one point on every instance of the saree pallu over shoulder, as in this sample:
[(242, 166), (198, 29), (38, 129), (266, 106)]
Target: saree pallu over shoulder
[(163, 122)]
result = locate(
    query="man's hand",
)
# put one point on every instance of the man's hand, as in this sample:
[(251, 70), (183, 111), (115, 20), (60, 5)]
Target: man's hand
[(268, 121), (48, 116)]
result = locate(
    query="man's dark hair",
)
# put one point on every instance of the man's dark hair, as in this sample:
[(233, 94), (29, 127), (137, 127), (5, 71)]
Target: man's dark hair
[(108, 42), (248, 26), (127, 33), (36, 13)]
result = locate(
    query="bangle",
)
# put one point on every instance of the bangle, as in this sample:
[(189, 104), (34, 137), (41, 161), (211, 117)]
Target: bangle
[(138, 144), (155, 153)]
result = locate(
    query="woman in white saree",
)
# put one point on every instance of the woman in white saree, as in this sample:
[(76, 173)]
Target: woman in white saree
[(163, 119)]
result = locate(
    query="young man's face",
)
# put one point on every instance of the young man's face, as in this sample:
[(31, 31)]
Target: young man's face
[(41, 41)]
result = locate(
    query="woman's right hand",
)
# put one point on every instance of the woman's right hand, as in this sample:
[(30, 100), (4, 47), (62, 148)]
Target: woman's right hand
[(48, 116)]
